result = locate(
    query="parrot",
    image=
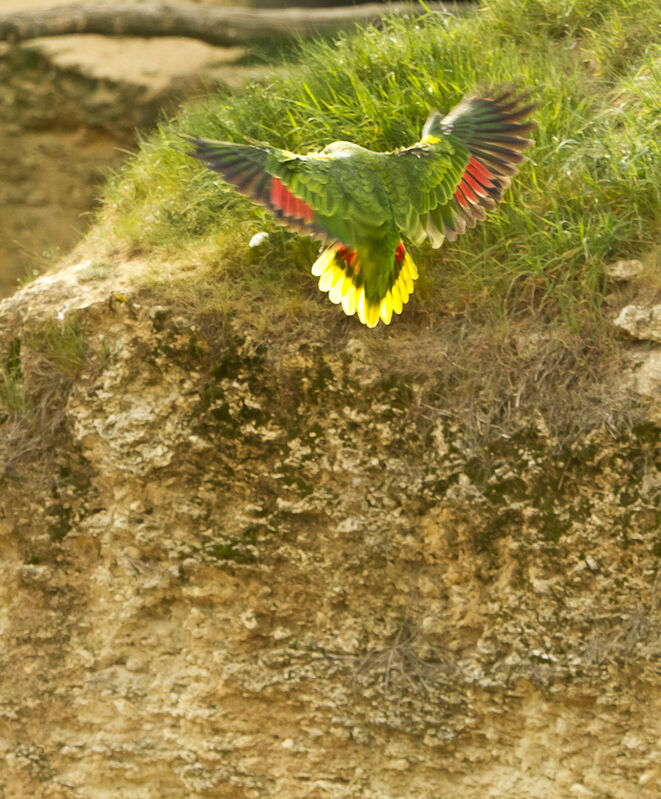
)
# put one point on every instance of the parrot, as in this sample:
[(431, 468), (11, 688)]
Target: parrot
[(363, 202)]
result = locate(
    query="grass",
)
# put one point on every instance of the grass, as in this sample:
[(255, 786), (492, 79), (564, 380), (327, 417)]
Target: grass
[(589, 194), (14, 400), (62, 343), (36, 373)]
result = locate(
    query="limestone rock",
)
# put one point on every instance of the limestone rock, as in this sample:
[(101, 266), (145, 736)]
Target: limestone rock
[(241, 570), (641, 322), (625, 270), (644, 377)]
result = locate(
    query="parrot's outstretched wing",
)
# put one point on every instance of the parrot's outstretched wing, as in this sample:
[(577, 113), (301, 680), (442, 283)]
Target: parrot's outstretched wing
[(461, 167), (314, 193), (252, 169), (421, 179)]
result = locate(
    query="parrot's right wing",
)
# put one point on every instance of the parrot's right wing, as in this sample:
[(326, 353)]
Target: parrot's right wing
[(461, 167), (420, 179), (437, 195)]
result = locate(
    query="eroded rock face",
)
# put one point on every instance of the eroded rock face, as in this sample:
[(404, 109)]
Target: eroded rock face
[(644, 323), (258, 569)]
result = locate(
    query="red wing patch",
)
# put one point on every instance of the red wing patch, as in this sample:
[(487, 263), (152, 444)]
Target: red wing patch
[(277, 193), (284, 201), (464, 194), (476, 182), (478, 170), (478, 189)]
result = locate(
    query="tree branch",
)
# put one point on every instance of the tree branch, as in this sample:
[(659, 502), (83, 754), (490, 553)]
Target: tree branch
[(219, 26)]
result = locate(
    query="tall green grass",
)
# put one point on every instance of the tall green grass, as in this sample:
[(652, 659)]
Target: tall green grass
[(590, 192)]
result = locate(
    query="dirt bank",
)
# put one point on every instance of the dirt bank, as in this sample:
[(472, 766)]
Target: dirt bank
[(70, 109)]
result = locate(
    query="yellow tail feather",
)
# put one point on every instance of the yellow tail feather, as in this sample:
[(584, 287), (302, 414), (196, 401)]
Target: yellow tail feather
[(337, 269)]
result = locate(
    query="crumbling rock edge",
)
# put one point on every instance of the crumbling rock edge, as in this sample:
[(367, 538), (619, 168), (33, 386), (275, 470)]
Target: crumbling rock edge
[(244, 578)]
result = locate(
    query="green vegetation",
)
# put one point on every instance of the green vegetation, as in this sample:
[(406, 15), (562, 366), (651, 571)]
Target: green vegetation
[(36, 373), (62, 343), (13, 398), (590, 192), (515, 314)]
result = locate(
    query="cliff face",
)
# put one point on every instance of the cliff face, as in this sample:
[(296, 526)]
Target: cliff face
[(243, 568)]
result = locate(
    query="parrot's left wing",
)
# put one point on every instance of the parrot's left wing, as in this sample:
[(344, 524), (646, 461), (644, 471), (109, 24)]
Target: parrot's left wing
[(249, 168), (310, 193)]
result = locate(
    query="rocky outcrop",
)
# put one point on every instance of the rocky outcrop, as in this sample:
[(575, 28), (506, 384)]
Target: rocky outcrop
[(641, 322), (625, 270), (239, 567)]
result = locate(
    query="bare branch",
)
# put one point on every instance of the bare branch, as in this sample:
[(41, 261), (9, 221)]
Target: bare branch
[(219, 26)]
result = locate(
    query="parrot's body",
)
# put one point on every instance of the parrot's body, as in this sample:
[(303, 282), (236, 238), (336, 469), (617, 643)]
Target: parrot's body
[(364, 201)]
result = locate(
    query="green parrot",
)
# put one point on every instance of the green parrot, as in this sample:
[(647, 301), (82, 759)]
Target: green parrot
[(365, 201)]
